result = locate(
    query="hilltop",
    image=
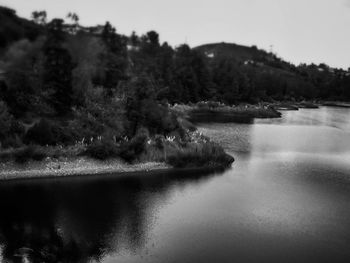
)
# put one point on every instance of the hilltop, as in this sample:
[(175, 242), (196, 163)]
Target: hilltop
[(14, 28), (244, 55), (234, 51)]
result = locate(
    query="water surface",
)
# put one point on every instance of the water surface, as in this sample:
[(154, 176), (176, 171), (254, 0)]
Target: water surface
[(286, 199)]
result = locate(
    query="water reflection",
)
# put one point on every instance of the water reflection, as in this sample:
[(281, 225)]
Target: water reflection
[(286, 199), (324, 116), (322, 131), (72, 220)]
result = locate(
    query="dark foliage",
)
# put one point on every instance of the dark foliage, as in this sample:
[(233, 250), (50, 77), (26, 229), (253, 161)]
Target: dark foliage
[(89, 83), (115, 58), (47, 132), (14, 28), (41, 133), (130, 150), (28, 153), (143, 110), (205, 155), (58, 68), (102, 150)]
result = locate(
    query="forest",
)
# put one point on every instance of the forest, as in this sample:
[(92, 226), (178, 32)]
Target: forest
[(64, 84)]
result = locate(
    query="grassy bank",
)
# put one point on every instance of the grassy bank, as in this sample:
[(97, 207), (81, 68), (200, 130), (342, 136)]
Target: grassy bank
[(141, 153), (133, 132)]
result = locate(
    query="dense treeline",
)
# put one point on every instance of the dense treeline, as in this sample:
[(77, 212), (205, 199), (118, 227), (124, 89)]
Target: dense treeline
[(70, 91), (61, 82)]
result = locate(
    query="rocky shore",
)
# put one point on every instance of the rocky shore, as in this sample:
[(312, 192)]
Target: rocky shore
[(82, 166), (72, 167)]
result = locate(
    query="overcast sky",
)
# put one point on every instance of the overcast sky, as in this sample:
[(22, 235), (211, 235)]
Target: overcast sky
[(299, 30)]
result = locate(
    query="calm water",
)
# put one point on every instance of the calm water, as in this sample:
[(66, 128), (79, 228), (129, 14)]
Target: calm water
[(286, 199)]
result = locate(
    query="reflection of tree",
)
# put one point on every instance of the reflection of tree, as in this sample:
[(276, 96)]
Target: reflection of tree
[(27, 227), (73, 220)]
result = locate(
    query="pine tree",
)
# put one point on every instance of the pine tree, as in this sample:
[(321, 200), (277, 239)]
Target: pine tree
[(115, 59), (58, 69)]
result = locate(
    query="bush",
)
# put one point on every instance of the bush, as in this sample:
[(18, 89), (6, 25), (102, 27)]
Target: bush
[(199, 155), (102, 150), (11, 130), (185, 124), (98, 119), (12, 141), (159, 141), (132, 149), (5, 120), (208, 104), (50, 133), (30, 152), (41, 133)]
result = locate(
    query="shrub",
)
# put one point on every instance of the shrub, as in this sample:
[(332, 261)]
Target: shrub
[(185, 124), (41, 133), (159, 141), (30, 152), (213, 104), (11, 130), (199, 155), (102, 150), (12, 141), (48, 132), (97, 119), (151, 154), (132, 149), (5, 120), (208, 104), (202, 105)]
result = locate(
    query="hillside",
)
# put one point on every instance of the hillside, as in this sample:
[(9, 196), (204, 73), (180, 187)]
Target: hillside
[(242, 54), (278, 78), (224, 72), (69, 92), (230, 50), (14, 28)]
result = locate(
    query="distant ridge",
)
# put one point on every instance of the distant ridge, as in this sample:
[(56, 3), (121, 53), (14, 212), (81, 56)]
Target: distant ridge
[(231, 50)]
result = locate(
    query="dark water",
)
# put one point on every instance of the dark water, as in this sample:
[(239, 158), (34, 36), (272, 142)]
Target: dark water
[(286, 199)]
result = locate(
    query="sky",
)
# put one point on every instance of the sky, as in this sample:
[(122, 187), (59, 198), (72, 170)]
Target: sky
[(299, 31)]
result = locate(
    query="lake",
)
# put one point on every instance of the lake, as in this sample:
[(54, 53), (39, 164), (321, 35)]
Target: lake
[(285, 199)]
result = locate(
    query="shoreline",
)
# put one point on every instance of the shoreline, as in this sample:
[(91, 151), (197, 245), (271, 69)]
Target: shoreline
[(215, 112), (246, 113), (336, 104), (65, 167), (77, 169), (84, 166)]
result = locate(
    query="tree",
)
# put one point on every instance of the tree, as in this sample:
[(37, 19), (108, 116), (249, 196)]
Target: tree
[(153, 38), (144, 111), (24, 77), (224, 76), (88, 65), (58, 68), (73, 28), (186, 80), (74, 17), (115, 58), (39, 17), (134, 39)]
